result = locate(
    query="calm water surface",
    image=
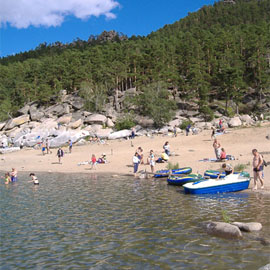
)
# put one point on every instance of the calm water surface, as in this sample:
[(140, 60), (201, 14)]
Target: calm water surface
[(99, 222)]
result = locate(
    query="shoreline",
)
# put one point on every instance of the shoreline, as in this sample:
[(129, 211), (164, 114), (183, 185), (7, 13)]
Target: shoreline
[(187, 152)]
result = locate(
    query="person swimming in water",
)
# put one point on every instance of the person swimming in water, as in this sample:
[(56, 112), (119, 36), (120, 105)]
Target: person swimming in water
[(7, 178), (34, 179), (14, 175)]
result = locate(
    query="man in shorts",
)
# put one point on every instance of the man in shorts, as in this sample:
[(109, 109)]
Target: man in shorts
[(257, 168)]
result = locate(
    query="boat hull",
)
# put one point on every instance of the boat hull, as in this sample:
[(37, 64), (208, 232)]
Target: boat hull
[(230, 183), (165, 173)]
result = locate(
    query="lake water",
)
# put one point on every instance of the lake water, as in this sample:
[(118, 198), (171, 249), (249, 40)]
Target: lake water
[(99, 222)]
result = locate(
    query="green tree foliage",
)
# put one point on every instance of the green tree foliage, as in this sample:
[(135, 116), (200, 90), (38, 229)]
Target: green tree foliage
[(218, 52), (154, 101), (94, 96)]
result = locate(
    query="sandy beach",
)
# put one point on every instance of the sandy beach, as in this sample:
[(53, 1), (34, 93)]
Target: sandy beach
[(187, 151)]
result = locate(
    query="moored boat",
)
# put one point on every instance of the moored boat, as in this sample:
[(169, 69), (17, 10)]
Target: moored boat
[(165, 173), (230, 183), (214, 174), (181, 180)]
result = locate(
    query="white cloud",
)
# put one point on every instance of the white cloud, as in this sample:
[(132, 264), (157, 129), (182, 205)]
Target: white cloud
[(23, 13)]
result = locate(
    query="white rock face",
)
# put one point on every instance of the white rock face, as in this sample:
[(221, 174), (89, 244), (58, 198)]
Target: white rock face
[(248, 227), (235, 122), (120, 134), (266, 267), (247, 119)]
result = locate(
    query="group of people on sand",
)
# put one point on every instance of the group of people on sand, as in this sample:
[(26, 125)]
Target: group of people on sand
[(138, 158), (219, 151)]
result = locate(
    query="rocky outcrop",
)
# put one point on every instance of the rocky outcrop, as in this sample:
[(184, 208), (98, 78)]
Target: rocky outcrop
[(248, 227), (120, 134), (76, 124), (235, 122), (224, 230), (96, 119), (16, 122), (266, 267), (65, 119)]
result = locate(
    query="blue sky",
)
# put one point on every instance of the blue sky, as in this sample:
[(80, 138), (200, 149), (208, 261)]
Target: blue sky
[(25, 27)]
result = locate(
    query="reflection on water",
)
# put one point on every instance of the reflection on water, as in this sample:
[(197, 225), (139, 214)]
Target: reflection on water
[(98, 222)]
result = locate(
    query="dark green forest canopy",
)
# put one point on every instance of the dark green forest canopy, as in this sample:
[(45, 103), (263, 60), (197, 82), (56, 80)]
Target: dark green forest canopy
[(216, 53)]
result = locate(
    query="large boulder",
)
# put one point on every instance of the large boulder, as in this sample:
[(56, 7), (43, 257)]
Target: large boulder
[(109, 123), (35, 114), (65, 119), (65, 136), (77, 103), (58, 109), (120, 134), (104, 133), (203, 125), (175, 122), (235, 122), (266, 267), (224, 230), (24, 110), (145, 121), (76, 124), (16, 122), (247, 119), (248, 227), (96, 119)]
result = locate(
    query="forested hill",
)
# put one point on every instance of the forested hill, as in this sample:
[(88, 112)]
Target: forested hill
[(218, 53)]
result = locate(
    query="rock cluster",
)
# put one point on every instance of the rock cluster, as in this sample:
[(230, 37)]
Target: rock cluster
[(67, 120)]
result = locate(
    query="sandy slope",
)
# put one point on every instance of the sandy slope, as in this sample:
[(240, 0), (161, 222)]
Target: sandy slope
[(188, 151)]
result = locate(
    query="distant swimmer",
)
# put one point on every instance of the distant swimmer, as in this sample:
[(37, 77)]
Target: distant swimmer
[(34, 179), (14, 175), (7, 178)]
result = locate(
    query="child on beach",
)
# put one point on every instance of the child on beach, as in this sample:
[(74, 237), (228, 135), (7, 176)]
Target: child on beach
[(93, 162), (43, 148), (60, 154), (140, 155), (7, 178), (152, 161), (34, 179), (227, 168)]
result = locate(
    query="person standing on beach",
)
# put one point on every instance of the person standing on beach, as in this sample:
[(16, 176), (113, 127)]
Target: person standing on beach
[(257, 168), (48, 147), (152, 161), (166, 148), (93, 162), (70, 145), (217, 148), (136, 162), (60, 154), (43, 148)]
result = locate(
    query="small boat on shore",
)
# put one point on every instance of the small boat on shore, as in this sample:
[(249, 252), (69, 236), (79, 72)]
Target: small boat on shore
[(230, 183), (165, 173), (214, 174), (181, 180)]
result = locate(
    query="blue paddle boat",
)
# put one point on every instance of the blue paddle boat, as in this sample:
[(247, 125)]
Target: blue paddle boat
[(181, 180), (165, 173), (214, 174), (230, 183)]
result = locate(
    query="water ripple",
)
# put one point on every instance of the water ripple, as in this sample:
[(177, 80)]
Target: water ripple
[(95, 222)]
